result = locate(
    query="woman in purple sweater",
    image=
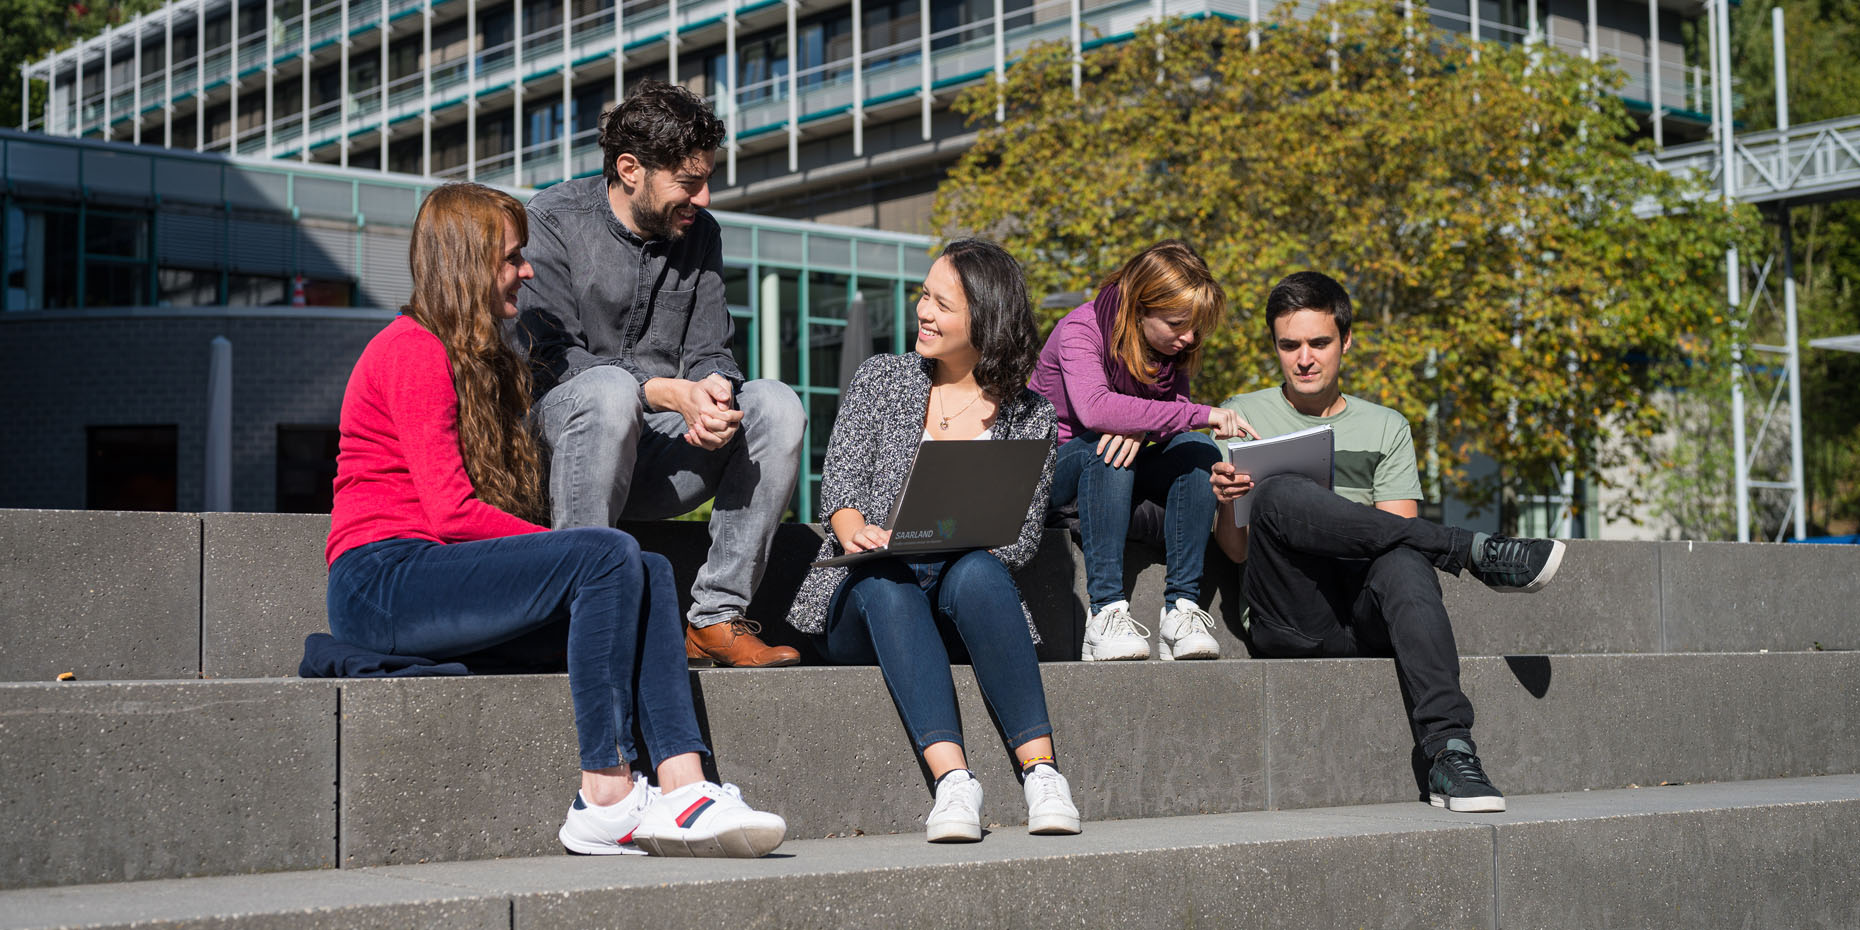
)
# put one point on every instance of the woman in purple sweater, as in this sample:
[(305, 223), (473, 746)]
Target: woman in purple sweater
[(1117, 371)]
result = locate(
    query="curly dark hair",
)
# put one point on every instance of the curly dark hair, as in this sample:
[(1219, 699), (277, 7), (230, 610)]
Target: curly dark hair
[(662, 125), (1001, 323)]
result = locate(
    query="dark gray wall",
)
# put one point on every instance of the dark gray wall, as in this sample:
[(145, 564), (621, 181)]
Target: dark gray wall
[(63, 372)]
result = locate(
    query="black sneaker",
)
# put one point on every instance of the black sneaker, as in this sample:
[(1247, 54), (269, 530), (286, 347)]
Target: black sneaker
[(1507, 564), (1457, 783)]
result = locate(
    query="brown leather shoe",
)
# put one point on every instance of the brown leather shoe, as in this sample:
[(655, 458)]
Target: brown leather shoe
[(734, 642)]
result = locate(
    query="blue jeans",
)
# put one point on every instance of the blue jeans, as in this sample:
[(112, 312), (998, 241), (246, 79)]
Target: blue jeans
[(625, 639), (1173, 474), (899, 613)]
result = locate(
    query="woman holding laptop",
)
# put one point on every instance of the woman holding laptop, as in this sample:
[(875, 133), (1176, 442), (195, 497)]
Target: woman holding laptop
[(967, 380), (1117, 371)]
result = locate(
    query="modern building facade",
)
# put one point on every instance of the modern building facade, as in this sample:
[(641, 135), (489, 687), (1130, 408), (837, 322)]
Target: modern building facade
[(837, 109), (122, 265)]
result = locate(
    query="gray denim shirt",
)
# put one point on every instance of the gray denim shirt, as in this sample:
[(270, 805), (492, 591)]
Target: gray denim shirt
[(604, 296)]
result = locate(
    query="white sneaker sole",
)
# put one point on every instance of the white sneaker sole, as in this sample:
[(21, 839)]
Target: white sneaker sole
[(1053, 825), (748, 841), (582, 848), (1088, 653), (1168, 653), (1493, 805), (953, 832)]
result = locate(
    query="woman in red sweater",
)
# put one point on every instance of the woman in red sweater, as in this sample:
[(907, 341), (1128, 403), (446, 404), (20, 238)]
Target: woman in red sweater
[(432, 551)]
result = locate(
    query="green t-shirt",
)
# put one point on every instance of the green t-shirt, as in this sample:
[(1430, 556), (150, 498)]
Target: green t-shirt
[(1374, 457)]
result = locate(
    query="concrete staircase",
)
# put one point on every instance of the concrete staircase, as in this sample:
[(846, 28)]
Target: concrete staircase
[(1677, 726)]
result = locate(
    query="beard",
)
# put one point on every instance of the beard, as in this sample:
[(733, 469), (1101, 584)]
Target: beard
[(654, 220)]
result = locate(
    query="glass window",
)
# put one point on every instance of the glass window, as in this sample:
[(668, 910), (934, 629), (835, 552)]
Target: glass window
[(306, 468), (249, 290), (130, 467), (115, 284), (41, 258), (125, 236), (186, 287)]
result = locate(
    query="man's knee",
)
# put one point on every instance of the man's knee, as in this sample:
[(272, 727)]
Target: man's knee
[(601, 403), (1403, 574), (1276, 493), (772, 408)]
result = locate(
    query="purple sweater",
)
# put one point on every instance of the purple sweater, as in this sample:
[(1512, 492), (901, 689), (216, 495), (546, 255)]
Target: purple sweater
[(1074, 373)]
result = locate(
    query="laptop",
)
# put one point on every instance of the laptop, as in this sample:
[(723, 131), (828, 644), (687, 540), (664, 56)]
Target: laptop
[(959, 495)]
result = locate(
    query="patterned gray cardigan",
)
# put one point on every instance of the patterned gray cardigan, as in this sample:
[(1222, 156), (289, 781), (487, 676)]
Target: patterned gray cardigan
[(880, 423)]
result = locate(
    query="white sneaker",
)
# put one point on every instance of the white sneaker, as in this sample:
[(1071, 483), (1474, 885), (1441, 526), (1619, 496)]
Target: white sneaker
[(1050, 810), (957, 815), (1112, 634), (1187, 633), (591, 830), (708, 819)]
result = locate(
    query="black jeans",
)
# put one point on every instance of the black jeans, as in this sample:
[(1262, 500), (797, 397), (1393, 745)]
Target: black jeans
[(1330, 577)]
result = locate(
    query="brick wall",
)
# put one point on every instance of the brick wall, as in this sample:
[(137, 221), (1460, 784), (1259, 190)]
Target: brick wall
[(61, 375)]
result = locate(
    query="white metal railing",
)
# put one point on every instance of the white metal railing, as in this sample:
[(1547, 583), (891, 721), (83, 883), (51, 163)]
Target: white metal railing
[(958, 54), (1810, 160)]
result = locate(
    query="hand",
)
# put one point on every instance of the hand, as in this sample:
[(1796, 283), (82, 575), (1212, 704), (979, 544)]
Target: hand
[(709, 419), (1228, 484), (1228, 424), (1120, 449), (866, 537)]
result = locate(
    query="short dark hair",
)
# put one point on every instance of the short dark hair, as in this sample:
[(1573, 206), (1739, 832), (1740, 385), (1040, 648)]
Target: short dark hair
[(1001, 323), (1308, 290), (660, 124)]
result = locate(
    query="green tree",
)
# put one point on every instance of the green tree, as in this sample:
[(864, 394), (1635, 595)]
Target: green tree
[(37, 27), (1516, 271)]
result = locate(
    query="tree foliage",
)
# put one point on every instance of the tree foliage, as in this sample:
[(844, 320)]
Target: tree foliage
[(1520, 279), (35, 28)]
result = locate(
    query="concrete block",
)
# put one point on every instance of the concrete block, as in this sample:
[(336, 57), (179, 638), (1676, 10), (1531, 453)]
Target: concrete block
[(1784, 864), (326, 900), (455, 768), (115, 782), (1733, 597), (1605, 599), (1558, 723), (262, 581), (1242, 871), (1135, 742), (103, 595), (1336, 733)]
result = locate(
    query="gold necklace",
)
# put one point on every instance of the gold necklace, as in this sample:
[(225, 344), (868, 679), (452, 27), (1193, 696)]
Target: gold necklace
[(944, 422)]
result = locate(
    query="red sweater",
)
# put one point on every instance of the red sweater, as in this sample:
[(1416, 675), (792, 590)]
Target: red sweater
[(399, 474)]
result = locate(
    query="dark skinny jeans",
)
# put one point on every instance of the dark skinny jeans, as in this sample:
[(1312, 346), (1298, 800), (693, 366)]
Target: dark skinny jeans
[(625, 637), (903, 615), (1329, 577), (1173, 474)]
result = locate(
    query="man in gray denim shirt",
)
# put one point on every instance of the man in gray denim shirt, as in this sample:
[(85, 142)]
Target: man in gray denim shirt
[(642, 406)]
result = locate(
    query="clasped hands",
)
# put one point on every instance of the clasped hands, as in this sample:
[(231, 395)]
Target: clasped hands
[(710, 420)]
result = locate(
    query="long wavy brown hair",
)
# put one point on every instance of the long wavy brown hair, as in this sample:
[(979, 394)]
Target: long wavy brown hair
[(456, 253), (1167, 277)]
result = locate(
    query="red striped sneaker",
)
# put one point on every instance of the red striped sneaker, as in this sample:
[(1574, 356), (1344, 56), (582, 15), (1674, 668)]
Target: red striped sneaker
[(708, 819), (607, 831)]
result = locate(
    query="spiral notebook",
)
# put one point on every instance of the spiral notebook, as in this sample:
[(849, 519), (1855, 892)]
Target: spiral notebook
[(1306, 452)]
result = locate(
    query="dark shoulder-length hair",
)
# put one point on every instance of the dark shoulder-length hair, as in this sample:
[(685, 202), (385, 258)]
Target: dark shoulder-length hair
[(1001, 323)]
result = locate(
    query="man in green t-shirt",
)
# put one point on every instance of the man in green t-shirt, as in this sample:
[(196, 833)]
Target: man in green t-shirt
[(1351, 573)]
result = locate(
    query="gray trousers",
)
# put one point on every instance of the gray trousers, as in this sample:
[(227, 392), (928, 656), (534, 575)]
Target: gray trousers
[(612, 460)]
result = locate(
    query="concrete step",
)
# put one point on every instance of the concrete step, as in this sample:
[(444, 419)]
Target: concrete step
[(124, 781), (1773, 853), (130, 596)]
